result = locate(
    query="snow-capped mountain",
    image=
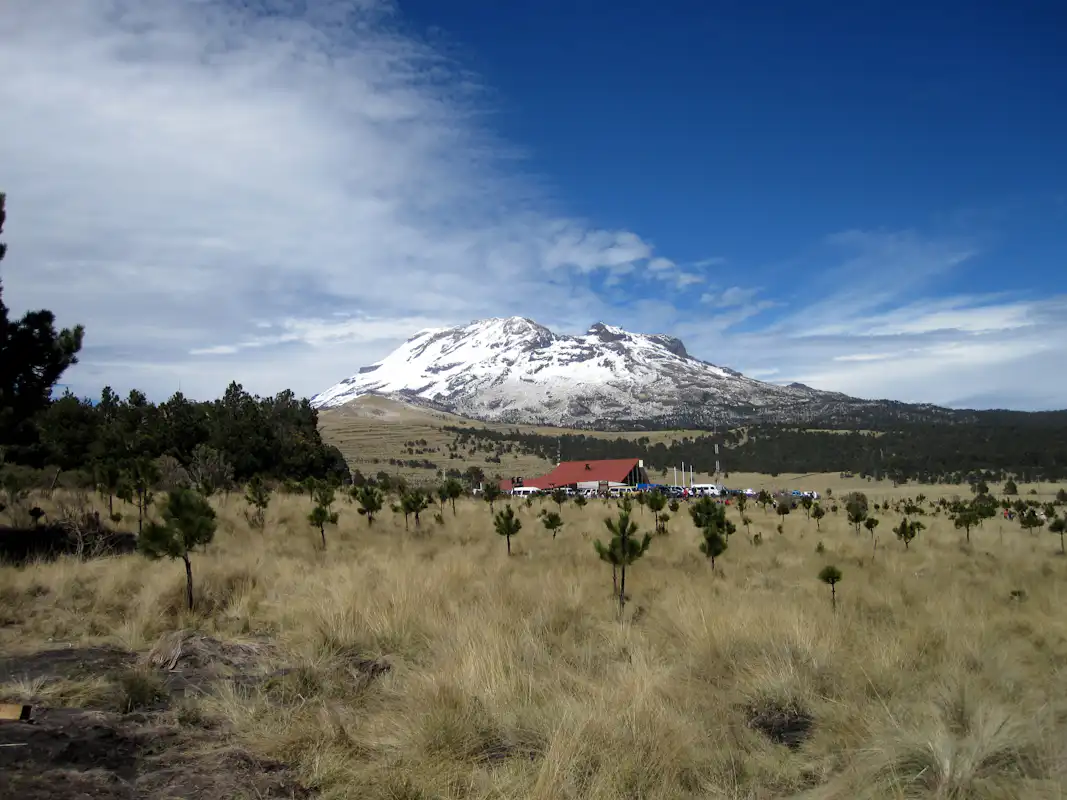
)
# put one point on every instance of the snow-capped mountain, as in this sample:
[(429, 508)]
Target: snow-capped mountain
[(515, 370)]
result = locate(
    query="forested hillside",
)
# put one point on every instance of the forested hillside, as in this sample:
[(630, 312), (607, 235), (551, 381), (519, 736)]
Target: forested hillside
[(1028, 446)]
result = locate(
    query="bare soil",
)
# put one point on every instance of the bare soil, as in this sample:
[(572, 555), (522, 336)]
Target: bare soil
[(68, 753)]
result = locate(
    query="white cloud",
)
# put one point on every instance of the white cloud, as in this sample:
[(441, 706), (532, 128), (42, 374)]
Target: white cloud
[(732, 296), (181, 175), (869, 327)]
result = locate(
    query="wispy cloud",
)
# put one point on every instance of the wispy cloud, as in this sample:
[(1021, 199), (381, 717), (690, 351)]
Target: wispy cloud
[(871, 325), (180, 173)]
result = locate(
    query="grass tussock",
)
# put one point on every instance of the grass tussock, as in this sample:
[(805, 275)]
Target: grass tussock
[(429, 664)]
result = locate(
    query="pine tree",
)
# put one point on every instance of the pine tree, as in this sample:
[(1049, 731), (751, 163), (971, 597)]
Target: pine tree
[(559, 497), (966, 518), (817, 513), (492, 493), (552, 522), (257, 495), (370, 501), (414, 503), (453, 490), (188, 522), (622, 550), (507, 524), (656, 502), (322, 494), (907, 530), (857, 513), (831, 576)]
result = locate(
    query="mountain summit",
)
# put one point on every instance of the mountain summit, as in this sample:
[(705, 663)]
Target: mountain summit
[(515, 370)]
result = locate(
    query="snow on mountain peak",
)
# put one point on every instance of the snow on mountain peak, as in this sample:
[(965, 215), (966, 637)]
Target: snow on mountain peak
[(515, 370)]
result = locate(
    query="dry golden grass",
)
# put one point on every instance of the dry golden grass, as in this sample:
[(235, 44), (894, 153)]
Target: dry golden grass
[(372, 428), (515, 678)]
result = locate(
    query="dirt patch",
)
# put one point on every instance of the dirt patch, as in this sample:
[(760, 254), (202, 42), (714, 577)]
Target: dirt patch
[(188, 650), (71, 663), (111, 754), (72, 753), (782, 723), (191, 662)]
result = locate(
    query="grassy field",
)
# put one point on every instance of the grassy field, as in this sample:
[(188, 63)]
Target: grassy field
[(371, 430), (426, 663)]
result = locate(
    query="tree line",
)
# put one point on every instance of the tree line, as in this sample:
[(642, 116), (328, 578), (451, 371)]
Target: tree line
[(1002, 444), (238, 436)]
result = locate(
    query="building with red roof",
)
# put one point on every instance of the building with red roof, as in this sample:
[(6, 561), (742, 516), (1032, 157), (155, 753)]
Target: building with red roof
[(624, 471)]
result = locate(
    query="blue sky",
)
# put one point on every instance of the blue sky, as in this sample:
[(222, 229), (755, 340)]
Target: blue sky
[(866, 197)]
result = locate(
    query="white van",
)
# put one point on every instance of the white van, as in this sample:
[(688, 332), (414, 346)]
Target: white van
[(524, 491)]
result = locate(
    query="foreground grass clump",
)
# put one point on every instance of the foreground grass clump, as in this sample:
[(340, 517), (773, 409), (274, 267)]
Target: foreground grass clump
[(427, 663)]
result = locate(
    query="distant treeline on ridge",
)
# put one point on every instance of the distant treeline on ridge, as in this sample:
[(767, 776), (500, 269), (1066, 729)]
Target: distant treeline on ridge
[(1030, 447)]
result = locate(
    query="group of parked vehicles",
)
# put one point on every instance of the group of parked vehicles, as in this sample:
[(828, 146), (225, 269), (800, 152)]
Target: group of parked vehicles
[(677, 492)]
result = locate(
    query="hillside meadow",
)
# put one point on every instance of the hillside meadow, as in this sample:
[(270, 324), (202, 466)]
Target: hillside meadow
[(371, 430), (426, 663)]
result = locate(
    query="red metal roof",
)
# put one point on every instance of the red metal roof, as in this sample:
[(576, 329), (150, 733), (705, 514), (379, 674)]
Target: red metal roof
[(571, 472)]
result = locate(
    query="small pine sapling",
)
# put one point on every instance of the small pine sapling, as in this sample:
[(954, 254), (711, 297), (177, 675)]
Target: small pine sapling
[(1030, 520), (108, 478), (622, 550), (413, 503), (138, 488), (1059, 526), (580, 501), (453, 490), (188, 522), (674, 505), (257, 495), (807, 503), (831, 576), (492, 493), (817, 513), (741, 501), (782, 511), (870, 524), (507, 524), (907, 530), (370, 502), (552, 522), (656, 502), (966, 518), (713, 544), (36, 514), (559, 497), (763, 499), (322, 494), (857, 513)]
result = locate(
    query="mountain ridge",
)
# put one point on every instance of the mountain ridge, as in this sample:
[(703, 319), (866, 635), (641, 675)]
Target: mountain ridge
[(516, 370)]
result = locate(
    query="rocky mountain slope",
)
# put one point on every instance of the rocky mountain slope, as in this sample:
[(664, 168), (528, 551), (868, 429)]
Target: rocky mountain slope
[(515, 370)]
